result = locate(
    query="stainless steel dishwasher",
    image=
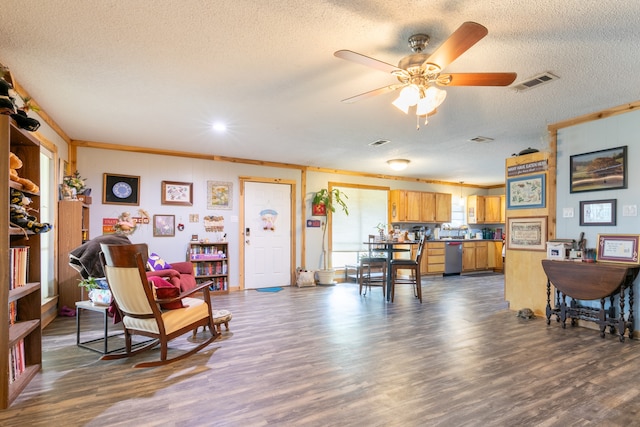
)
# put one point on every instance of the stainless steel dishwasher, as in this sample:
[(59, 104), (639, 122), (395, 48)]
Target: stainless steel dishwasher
[(452, 258)]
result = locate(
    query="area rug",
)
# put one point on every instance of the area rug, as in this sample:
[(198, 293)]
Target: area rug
[(276, 289)]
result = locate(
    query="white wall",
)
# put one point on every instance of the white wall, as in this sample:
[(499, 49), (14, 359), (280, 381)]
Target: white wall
[(153, 169)]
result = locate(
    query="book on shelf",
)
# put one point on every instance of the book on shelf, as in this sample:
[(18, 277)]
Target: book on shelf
[(19, 262), (17, 364)]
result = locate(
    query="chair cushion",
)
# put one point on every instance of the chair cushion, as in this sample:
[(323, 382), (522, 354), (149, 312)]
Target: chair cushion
[(165, 290), (156, 262)]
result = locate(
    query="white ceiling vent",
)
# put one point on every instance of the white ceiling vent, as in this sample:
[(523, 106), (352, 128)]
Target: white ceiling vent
[(481, 139), (535, 81), (379, 142)]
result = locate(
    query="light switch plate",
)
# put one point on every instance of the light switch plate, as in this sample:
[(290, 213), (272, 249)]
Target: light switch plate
[(629, 210), (567, 212)]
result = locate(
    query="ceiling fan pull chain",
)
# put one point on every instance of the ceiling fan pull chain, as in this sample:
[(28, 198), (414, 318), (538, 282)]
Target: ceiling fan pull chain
[(417, 122)]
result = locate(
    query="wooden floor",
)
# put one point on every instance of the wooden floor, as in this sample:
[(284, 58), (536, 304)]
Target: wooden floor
[(326, 356)]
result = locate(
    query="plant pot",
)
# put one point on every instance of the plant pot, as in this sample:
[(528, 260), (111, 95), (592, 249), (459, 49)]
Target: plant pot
[(100, 296), (325, 277)]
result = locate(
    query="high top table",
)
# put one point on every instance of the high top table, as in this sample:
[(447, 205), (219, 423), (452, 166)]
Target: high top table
[(591, 281), (390, 247)]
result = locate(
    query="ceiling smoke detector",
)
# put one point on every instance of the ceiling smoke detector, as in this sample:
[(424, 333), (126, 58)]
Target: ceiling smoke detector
[(536, 81)]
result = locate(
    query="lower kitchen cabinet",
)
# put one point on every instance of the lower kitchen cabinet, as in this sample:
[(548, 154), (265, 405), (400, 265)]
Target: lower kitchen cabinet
[(475, 256), (434, 258)]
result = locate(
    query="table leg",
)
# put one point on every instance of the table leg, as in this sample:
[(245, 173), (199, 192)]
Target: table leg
[(389, 256), (621, 324)]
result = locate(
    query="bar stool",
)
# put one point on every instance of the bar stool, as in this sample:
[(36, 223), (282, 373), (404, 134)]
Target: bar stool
[(408, 264)]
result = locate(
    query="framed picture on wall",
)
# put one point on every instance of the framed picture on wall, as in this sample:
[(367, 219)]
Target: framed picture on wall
[(598, 170), (120, 189), (598, 212), (177, 193), (527, 233), (219, 195), (526, 192), (164, 225)]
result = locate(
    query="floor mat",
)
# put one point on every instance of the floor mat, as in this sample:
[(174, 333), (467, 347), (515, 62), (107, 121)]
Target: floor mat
[(276, 289)]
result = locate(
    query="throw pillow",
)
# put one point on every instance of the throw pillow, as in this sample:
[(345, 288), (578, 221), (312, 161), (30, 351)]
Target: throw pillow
[(155, 263), (165, 290)]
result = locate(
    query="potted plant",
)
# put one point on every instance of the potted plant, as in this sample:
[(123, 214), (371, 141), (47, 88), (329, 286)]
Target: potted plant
[(96, 290), (325, 201)]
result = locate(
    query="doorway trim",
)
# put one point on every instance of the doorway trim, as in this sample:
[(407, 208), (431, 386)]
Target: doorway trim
[(292, 226)]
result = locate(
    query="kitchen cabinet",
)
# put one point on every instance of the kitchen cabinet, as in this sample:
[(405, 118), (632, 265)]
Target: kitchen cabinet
[(443, 207), (434, 258), (475, 256), (492, 209), (475, 209), (404, 206), (495, 256), (419, 206), (485, 209)]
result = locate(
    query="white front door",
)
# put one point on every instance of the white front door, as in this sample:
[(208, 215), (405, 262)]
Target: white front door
[(267, 237)]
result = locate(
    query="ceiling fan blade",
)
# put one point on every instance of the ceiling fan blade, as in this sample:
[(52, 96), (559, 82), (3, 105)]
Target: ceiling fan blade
[(372, 93), (350, 55), (462, 39), (476, 79)]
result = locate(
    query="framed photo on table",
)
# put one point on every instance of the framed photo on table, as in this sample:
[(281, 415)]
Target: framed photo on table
[(598, 170), (598, 212), (527, 233), (120, 189), (620, 248), (177, 193)]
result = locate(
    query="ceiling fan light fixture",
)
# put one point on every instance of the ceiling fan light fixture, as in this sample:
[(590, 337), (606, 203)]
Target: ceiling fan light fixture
[(398, 164), (409, 96), (433, 97)]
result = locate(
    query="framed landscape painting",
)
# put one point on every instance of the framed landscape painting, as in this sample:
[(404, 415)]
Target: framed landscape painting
[(598, 170)]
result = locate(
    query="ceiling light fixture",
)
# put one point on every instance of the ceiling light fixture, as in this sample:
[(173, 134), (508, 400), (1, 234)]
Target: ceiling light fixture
[(398, 164), (426, 99)]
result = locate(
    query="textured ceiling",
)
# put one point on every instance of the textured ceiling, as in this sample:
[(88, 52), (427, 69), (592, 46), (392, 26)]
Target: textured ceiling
[(158, 73)]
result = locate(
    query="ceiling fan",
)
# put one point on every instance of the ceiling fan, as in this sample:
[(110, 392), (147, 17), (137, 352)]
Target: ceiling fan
[(419, 73)]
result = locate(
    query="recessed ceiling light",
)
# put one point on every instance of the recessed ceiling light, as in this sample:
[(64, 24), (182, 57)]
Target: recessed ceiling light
[(219, 127)]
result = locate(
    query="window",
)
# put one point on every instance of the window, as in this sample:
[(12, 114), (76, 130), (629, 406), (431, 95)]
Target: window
[(367, 208), (48, 198)]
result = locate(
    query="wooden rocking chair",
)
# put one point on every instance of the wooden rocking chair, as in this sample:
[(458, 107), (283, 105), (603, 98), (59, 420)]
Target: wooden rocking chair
[(141, 312)]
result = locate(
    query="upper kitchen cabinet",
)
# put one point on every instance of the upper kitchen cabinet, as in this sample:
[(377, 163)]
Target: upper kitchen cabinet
[(492, 209), (475, 209), (485, 209), (443, 207), (419, 206)]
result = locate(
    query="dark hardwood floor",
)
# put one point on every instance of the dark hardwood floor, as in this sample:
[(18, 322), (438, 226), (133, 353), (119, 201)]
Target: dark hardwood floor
[(326, 356)]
